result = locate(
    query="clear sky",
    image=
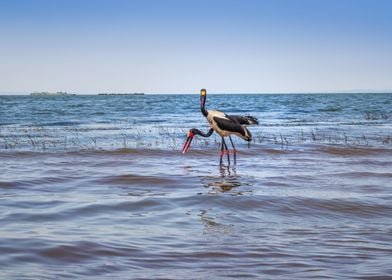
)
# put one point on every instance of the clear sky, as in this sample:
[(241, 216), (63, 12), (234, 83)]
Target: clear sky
[(180, 46)]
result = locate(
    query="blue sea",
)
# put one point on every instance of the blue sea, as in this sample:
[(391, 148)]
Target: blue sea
[(96, 187)]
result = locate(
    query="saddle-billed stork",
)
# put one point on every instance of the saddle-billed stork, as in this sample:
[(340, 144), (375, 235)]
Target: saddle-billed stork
[(224, 125)]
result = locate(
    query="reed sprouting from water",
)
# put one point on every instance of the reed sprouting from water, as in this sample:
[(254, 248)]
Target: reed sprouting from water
[(314, 136), (74, 138), (377, 115)]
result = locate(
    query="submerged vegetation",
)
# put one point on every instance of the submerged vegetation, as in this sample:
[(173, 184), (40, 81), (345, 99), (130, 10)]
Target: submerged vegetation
[(40, 138), (162, 121), (377, 115)]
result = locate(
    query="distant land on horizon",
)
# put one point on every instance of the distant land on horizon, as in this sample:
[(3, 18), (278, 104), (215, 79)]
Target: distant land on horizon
[(53, 93)]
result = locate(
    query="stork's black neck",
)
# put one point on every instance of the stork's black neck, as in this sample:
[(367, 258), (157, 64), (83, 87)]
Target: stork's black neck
[(202, 105), (198, 132)]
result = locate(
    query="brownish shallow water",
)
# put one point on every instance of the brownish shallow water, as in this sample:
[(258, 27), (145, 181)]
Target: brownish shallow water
[(302, 212)]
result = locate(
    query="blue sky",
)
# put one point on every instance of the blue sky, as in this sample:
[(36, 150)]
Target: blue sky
[(173, 46)]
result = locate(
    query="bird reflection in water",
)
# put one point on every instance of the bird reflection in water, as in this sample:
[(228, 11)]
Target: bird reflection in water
[(226, 182), (215, 221), (211, 227)]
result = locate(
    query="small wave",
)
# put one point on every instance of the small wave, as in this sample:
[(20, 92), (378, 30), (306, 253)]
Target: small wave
[(352, 151), (84, 251), (136, 179), (64, 123), (129, 151), (330, 109), (44, 180), (142, 152), (8, 185), (336, 207), (255, 149), (365, 174)]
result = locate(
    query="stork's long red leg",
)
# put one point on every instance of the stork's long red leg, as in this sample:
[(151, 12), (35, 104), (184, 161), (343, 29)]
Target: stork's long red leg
[(234, 151), (227, 151), (221, 154)]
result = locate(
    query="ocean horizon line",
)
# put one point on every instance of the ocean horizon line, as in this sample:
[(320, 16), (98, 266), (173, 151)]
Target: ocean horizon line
[(114, 93)]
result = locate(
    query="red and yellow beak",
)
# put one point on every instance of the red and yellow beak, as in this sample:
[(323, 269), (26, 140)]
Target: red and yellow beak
[(187, 143)]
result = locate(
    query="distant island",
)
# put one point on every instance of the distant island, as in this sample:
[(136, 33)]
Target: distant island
[(114, 93), (46, 93)]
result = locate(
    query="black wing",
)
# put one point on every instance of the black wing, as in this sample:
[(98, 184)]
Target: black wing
[(245, 120), (233, 127)]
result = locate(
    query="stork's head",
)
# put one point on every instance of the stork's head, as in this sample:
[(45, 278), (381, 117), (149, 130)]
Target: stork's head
[(203, 93), (188, 141)]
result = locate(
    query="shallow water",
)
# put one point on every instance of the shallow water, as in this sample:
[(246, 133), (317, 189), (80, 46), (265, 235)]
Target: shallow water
[(308, 208)]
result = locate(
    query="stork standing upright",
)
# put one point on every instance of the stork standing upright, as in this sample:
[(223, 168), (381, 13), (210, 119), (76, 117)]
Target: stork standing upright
[(224, 125)]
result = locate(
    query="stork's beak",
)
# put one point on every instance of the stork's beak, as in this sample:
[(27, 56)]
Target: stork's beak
[(188, 142)]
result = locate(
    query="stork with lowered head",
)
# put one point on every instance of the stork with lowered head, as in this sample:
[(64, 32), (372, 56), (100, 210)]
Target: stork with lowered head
[(223, 124)]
